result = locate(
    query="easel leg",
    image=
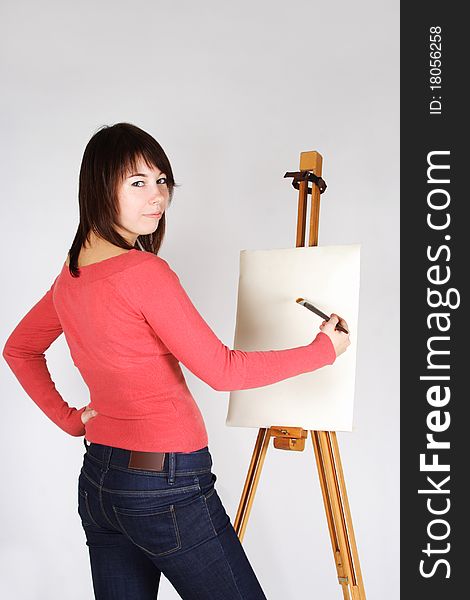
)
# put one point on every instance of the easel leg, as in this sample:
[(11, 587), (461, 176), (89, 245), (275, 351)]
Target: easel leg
[(251, 483), (335, 499), (338, 514)]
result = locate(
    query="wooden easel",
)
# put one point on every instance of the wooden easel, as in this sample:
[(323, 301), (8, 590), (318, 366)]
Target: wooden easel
[(325, 444)]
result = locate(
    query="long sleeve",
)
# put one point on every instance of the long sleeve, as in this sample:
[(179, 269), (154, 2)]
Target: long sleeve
[(24, 353), (171, 314)]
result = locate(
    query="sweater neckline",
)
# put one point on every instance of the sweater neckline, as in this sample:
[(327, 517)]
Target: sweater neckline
[(105, 260), (102, 267)]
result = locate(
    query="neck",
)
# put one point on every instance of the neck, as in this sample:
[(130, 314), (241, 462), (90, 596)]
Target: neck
[(98, 244)]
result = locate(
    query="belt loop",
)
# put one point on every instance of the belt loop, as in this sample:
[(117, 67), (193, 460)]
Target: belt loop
[(108, 450), (171, 467), (86, 445)]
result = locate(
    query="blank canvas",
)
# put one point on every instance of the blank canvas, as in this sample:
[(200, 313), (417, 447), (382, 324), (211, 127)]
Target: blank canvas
[(269, 318)]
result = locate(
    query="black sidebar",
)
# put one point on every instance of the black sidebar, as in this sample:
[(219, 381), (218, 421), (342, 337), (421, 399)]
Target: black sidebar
[(435, 325)]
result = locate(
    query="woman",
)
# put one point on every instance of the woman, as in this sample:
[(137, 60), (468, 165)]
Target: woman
[(146, 494)]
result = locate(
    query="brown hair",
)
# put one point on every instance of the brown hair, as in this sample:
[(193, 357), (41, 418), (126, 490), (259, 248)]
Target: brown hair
[(107, 159)]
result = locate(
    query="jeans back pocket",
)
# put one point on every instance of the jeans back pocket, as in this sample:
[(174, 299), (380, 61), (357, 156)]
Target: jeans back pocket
[(153, 530)]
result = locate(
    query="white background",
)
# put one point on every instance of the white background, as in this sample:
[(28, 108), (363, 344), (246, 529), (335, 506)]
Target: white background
[(233, 92)]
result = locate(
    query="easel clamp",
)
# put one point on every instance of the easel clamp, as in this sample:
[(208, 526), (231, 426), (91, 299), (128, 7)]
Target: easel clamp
[(307, 175)]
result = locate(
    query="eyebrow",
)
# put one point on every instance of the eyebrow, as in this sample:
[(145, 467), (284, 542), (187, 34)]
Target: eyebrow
[(140, 175)]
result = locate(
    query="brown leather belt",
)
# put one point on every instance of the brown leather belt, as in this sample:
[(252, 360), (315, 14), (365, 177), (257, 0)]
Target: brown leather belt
[(150, 461)]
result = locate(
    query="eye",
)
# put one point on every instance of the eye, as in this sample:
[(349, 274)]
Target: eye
[(161, 180)]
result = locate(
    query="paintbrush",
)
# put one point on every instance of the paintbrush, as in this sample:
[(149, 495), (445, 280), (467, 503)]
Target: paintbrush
[(318, 312)]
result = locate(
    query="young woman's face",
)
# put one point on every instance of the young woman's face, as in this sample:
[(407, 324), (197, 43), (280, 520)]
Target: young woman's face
[(141, 195)]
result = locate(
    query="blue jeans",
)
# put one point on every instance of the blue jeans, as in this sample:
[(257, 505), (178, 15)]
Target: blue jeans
[(141, 523)]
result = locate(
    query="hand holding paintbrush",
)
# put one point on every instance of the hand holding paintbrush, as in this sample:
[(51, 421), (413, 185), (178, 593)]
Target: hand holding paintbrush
[(331, 326)]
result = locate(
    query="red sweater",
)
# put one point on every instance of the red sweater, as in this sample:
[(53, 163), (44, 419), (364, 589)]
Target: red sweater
[(129, 323)]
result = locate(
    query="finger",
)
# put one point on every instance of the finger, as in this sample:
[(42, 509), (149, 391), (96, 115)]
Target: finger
[(89, 416), (333, 319)]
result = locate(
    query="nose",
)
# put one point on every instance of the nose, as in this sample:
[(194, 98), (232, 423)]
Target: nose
[(159, 199)]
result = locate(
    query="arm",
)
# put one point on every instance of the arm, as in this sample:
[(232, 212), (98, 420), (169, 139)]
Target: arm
[(171, 314), (24, 353)]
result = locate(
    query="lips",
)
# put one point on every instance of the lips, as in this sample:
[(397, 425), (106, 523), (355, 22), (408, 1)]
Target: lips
[(153, 215)]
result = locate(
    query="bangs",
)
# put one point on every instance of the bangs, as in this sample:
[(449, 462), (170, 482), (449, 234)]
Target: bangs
[(128, 164), (125, 169)]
